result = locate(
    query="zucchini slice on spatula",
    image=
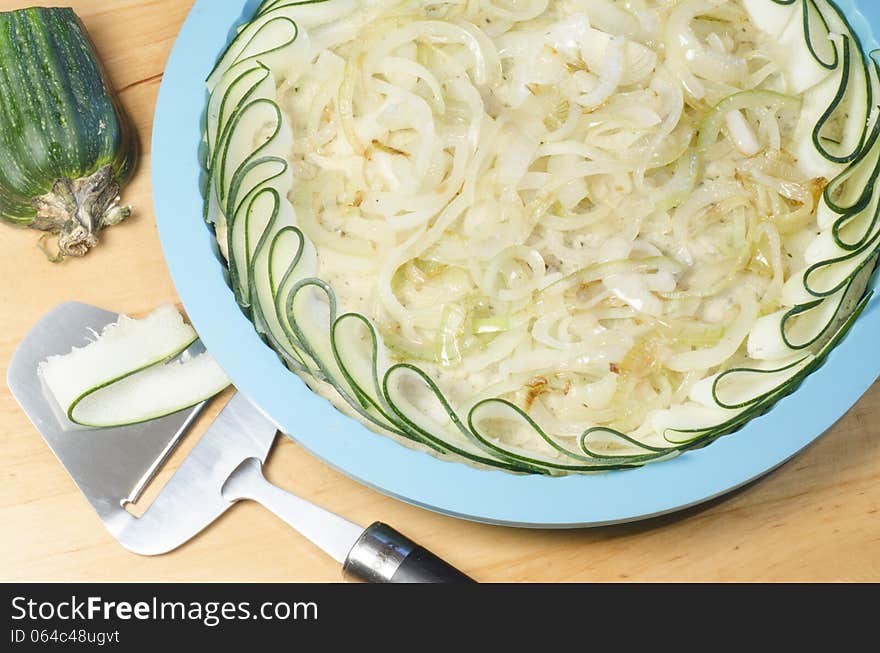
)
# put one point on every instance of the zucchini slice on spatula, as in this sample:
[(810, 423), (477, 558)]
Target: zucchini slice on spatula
[(132, 372), (66, 147)]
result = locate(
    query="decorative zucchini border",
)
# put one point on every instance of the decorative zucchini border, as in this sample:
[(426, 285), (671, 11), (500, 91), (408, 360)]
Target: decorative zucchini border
[(272, 265)]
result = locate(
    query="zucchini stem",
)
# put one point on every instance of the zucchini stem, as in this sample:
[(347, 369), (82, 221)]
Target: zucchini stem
[(78, 209)]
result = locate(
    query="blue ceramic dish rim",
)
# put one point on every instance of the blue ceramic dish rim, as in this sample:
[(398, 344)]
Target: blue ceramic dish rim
[(377, 461)]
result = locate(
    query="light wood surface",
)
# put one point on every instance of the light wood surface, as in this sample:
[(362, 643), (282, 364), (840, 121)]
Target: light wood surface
[(816, 519)]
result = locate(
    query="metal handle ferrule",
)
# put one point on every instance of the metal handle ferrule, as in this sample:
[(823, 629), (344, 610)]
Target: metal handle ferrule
[(383, 555)]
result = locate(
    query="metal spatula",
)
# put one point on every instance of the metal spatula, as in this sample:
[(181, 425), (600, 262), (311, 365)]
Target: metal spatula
[(112, 467)]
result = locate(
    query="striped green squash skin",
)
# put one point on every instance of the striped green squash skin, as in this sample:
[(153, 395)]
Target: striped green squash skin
[(66, 146)]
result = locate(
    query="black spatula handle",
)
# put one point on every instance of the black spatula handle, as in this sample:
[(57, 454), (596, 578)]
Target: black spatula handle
[(383, 555)]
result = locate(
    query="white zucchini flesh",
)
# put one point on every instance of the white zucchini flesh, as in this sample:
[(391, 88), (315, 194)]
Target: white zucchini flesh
[(128, 374), (771, 17)]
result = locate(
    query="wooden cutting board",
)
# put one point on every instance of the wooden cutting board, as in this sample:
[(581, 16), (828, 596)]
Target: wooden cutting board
[(816, 519)]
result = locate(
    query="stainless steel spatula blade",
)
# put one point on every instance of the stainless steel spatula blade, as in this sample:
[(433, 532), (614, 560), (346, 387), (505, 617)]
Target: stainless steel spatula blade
[(192, 499), (113, 466)]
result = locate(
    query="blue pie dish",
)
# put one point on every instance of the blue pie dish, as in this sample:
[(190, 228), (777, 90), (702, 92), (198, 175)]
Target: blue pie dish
[(379, 462)]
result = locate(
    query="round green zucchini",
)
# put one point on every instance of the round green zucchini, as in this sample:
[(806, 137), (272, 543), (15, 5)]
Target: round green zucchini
[(66, 146)]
